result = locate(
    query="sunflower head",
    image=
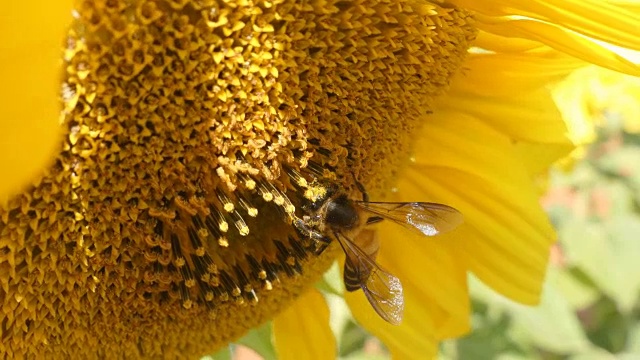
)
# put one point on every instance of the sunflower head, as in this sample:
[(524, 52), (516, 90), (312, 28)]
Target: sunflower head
[(193, 130)]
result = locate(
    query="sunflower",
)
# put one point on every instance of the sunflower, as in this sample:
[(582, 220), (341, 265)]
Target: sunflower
[(192, 131)]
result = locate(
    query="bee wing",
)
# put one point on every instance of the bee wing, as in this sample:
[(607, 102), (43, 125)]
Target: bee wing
[(426, 218), (382, 289), (384, 292)]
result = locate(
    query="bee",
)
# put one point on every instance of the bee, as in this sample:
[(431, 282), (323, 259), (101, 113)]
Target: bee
[(332, 215)]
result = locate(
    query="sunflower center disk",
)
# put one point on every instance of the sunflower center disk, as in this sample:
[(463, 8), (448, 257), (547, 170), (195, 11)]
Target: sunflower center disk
[(192, 127)]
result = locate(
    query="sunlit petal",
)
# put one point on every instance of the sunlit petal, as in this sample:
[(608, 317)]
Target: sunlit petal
[(414, 337), (530, 117), (302, 331), (466, 163), (614, 23), (565, 41), (31, 36), (487, 74)]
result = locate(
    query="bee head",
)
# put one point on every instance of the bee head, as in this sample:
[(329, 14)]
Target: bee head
[(320, 192)]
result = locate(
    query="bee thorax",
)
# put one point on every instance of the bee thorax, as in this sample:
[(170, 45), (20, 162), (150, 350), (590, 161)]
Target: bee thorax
[(341, 213)]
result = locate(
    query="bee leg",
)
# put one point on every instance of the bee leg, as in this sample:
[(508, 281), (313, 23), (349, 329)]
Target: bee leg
[(365, 196), (321, 245), (320, 248), (374, 220)]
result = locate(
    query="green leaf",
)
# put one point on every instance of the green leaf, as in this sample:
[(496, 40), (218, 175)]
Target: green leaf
[(578, 294), (553, 325), (627, 356), (608, 254), (625, 245), (364, 355), (331, 282), (621, 161), (352, 339), (633, 341), (340, 318), (224, 354), (607, 327), (489, 341), (260, 340), (491, 321), (593, 354), (620, 198), (512, 356)]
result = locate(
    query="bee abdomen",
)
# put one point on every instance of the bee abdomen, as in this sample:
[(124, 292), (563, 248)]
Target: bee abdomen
[(351, 277)]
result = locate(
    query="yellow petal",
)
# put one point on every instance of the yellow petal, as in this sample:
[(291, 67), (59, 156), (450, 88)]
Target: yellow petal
[(538, 157), (513, 73), (526, 116), (500, 44), (463, 162), (31, 39), (613, 23), (514, 105), (413, 339), (562, 40), (302, 330)]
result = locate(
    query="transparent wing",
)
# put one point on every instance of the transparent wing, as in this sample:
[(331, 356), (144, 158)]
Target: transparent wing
[(428, 219), (384, 292), (382, 289)]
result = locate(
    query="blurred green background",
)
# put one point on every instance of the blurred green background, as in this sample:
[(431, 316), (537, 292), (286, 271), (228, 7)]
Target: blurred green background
[(590, 307)]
